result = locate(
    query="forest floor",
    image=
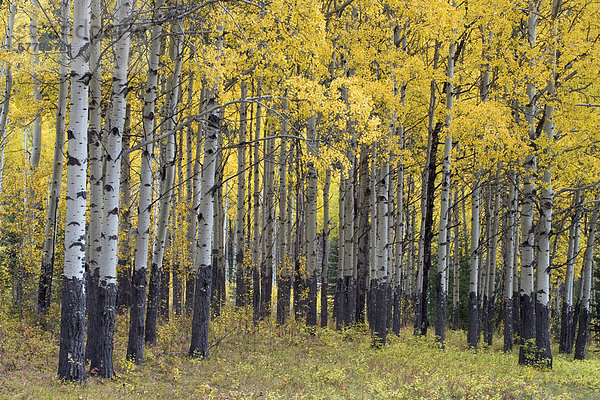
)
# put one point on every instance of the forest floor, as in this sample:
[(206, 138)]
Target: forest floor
[(269, 362)]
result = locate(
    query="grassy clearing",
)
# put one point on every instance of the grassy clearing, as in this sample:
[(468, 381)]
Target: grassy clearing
[(289, 363)]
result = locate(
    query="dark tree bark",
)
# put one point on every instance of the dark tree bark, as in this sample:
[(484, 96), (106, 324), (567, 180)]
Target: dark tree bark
[(152, 305), (200, 323), (71, 357), (135, 345), (92, 283), (102, 362), (582, 334), (363, 200), (165, 283), (527, 348), (177, 288), (542, 339)]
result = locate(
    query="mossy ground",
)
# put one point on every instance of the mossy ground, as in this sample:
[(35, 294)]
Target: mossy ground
[(289, 362)]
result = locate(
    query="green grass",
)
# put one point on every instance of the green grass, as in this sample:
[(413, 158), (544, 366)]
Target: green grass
[(289, 363)]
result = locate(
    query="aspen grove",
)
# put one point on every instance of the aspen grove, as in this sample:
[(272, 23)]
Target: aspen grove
[(393, 165)]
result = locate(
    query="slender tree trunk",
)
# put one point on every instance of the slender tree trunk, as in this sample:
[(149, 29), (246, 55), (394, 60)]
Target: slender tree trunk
[(586, 282), (311, 224), (71, 358), (473, 311), (380, 327), (566, 326), (363, 199), (124, 253), (218, 264), (399, 241), (12, 11), (240, 294), (47, 268), (350, 273), (528, 315), (167, 178), (427, 196), (509, 262), (492, 256), (443, 242), (256, 231), (95, 149), (373, 257), (191, 170), (527, 332), (107, 288), (326, 245), (201, 318), (135, 345), (36, 137), (268, 226), (516, 298), (455, 320), (284, 225)]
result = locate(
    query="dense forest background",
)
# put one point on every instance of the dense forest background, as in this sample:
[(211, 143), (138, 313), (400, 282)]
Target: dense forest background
[(399, 166)]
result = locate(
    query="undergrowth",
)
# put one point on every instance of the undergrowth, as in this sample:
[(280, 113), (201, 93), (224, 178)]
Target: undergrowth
[(271, 362)]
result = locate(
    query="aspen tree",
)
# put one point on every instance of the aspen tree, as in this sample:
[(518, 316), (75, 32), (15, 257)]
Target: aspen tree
[(266, 263), (326, 249), (95, 153), (381, 236), (363, 199), (311, 224), (167, 179), (71, 358), (283, 227), (218, 260), (586, 282), (241, 278), (473, 310), (256, 231), (125, 227), (203, 269), (456, 261), (509, 261), (492, 256), (47, 268), (107, 289), (191, 173), (566, 326), (427, 197), (528, 325), (135, 344), (443, 242), (36, 137)]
